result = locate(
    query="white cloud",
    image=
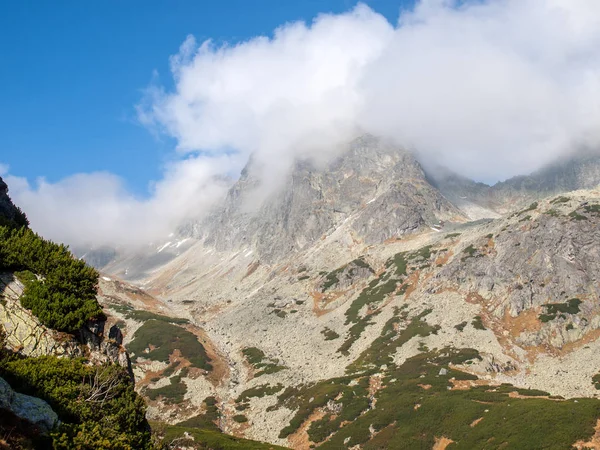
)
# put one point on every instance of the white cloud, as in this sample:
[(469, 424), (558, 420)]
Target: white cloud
[(95, 209), (489, 88)]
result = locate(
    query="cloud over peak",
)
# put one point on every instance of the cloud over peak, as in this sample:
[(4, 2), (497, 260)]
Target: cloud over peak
[(488, 88)]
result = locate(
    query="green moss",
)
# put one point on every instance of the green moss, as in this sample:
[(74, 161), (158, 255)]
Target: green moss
[(452, 235), (240, 418), (143, 316), (552, 212), (303, 277), (279, 313)]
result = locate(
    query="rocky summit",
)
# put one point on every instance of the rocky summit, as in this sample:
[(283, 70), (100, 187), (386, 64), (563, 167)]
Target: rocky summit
[(370, 303)]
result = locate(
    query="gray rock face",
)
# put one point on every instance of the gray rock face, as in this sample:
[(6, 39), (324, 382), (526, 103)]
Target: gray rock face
[(380, 188), (32, 409), (26, 335), (581, 171)]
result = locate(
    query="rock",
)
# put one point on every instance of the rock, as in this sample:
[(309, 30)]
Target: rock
[(26, 335), (443, 371), (116, 334), (32, 409)]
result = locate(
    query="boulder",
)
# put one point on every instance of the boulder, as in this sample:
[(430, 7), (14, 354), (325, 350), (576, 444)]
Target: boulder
[(32, 409)]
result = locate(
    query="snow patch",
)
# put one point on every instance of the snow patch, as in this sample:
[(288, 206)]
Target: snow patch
[(163, 247)]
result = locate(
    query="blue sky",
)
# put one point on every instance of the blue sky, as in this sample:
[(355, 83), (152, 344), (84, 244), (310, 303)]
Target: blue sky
[(72, 72), (487, 88)]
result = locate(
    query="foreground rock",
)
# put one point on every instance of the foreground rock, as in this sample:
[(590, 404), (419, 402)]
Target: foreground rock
[(32, 409)]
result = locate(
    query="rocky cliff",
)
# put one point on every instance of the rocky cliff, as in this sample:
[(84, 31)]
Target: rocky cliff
[(26, 335), (380, 189)]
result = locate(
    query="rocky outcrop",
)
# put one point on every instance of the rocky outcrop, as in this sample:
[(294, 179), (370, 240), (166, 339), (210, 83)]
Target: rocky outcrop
[(26, 335), (32, 409), (381, 189), (580, 171)]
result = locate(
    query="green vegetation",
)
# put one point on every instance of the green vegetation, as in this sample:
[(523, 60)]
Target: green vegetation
[(143, 316), (391, 281), (531, 207), (332, 278), (258, 360), (97, 405), (576, 216), (561, 199), (201, 439), (560, 309), (206, 421), (240, 418), (171, 393), (525, 219), (592, 209), (330, 335), (552, 212), (461, 326), (382, 349), (596, 381), (303, 277), (259, 391), (415, 405), (165, 338), (279, 313), (470, 251), (63, 294), (478, 323), (452, 235)]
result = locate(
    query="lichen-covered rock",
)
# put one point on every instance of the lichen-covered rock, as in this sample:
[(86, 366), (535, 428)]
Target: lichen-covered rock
[(26, 335), (32, 409)]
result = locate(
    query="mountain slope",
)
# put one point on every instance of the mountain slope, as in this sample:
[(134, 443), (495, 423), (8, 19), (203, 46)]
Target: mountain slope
[(580, 171)]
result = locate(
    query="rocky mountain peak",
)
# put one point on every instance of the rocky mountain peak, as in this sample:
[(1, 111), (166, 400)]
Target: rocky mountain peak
[(378, 190)]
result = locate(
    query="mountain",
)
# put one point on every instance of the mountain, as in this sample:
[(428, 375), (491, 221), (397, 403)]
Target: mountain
[(66, 378), (579, 171), (377, 190), (368, 304)]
